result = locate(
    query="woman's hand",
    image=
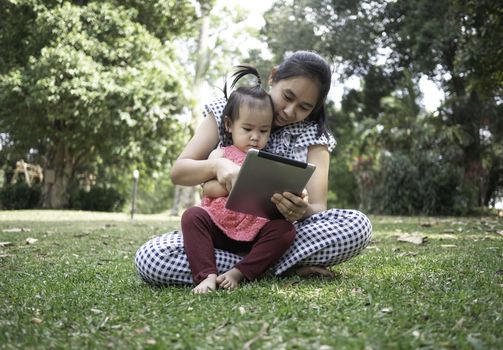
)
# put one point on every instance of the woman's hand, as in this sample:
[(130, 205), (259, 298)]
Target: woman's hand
[(291, 206), (227, 172)]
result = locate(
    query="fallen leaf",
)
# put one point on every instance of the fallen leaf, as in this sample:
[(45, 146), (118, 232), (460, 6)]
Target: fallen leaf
[(413, 239), (326, 347), (151, 342), (31, 240), (143, 330), (475, 342), (83, 234), (96, 311), (387, 310), (16, 229), (4, 256), (448, 245), (36, 320), (242, 310), (448, 236), (448, 230), (6, 244), (407, 254)]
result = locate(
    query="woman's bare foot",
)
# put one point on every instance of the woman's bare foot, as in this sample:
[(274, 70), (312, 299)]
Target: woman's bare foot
[(209, 284), (309, 271), (230, 279)]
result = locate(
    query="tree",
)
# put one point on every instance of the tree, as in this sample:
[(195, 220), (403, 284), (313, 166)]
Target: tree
[(453, 42), (91, 85), (209, 60)]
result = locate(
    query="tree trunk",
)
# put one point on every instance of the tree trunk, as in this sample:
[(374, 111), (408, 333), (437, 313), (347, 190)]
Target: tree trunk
[(58, 172), (186, 197)]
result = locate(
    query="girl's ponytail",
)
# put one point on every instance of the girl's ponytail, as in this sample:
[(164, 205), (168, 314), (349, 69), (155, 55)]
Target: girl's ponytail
[(242, 71)]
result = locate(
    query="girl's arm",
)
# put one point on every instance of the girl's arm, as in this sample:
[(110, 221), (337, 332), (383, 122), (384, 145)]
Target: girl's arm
[(294, 207), (192, 166), (212, 188)]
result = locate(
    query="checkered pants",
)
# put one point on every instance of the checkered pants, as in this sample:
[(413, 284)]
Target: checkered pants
[(323, 239)]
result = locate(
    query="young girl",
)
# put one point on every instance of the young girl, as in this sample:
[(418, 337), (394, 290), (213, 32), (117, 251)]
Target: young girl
[(324, 237), (248, 117)]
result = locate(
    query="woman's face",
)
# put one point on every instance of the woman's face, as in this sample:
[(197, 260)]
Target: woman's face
[(294, 99)]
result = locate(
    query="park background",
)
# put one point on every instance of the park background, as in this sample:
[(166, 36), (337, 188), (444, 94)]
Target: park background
[(91, 91)]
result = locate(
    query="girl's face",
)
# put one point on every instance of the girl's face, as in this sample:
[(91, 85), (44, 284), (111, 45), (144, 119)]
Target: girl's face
[(294, 99), (252, 129)]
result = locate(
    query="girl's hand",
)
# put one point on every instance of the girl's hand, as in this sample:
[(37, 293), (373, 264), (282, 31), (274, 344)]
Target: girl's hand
[(291, 206), (227, 172)]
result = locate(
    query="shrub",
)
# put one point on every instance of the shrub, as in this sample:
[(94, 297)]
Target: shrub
[(20, 196), (419, 183), (97, 199)]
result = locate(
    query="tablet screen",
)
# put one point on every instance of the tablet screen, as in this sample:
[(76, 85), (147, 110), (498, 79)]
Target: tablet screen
[(263, 174)]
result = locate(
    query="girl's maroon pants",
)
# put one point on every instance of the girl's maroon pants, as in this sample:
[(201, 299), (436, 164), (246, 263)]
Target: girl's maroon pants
[(201, 237)]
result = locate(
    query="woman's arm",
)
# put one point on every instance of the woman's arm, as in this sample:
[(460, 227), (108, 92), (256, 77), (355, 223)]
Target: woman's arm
[(315, 200), (317, 187), (192, 166)]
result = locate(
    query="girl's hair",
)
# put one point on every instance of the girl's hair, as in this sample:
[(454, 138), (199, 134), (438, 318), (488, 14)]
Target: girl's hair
[(313, 66), (253, 96)]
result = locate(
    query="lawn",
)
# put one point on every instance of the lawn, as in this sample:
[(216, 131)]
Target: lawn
[(76, 287)]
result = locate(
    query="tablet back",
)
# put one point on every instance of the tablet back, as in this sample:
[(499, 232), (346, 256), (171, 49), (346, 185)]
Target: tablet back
[(263, 174)]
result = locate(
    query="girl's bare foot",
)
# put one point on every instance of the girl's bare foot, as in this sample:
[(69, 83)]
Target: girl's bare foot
[(209, 284), (230, 279), (309, 271)]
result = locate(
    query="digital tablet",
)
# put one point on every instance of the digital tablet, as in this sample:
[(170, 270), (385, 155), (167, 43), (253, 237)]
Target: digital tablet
[(263, 174)]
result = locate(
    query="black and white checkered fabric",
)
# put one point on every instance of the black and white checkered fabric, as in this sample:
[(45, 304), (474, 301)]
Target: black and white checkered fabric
[(324, 239)]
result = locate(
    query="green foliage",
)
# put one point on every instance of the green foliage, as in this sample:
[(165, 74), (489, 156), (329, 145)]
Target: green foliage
[(20, 196), (419, 183), (92, 82), (97, 199), (166, 19), (390, 45), (155, 195), (343, 189)]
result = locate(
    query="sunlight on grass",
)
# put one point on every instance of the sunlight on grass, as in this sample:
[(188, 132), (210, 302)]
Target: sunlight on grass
[(76, 287), (71, 215)]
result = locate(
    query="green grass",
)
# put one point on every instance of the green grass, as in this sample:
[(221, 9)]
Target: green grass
[(76, 287)]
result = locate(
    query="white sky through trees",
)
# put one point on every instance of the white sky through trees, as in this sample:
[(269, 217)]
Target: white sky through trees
[(432, 95)]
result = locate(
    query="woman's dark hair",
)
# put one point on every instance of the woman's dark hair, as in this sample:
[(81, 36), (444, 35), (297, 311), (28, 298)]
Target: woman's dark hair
[(253, 96), (313, 66)]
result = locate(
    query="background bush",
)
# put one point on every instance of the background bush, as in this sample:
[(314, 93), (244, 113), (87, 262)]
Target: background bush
[(419, 183), (20, 196), (97, 199)]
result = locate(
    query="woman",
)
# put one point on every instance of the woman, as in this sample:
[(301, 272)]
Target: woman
[(298, 87)]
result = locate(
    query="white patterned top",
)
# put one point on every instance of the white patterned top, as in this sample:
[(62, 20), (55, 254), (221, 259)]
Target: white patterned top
[(291, 141)]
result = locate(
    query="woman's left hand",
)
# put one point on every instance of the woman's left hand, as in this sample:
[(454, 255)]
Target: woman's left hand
[(291, 206)]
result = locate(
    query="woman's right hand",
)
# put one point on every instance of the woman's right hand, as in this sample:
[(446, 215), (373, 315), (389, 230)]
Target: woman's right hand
[(227, 173)]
